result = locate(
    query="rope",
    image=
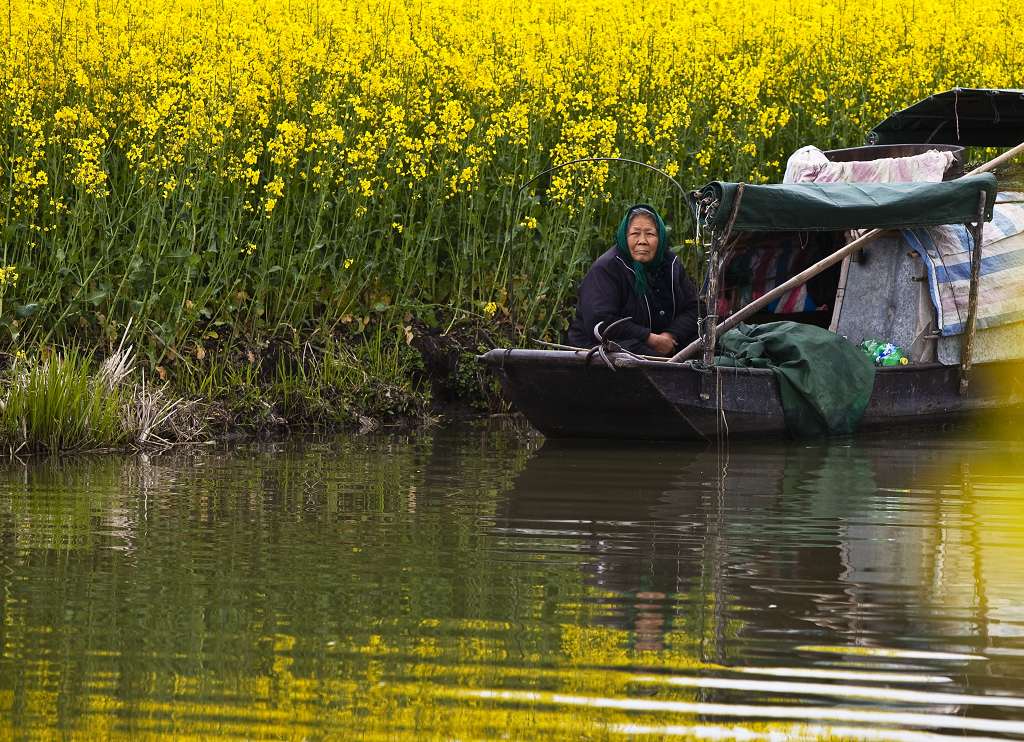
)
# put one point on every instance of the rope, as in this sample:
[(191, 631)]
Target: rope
[(703, 212), (705, 208)]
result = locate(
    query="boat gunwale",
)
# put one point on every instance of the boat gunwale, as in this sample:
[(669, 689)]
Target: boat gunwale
[(497, 356)]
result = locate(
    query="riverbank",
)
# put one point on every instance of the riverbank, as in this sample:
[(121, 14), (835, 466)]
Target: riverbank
[(372, 377), (377, 375)]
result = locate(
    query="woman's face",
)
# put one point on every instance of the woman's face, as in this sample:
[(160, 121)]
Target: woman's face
[(642, 238)]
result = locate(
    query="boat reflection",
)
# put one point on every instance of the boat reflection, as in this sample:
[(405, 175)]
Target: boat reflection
[(770, 548)]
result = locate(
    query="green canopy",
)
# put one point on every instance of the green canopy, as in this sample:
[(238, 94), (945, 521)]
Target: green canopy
[(839, 206)]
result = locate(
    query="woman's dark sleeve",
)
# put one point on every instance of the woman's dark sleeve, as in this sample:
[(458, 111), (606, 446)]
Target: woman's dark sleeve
[(683, 326), (601, 300)]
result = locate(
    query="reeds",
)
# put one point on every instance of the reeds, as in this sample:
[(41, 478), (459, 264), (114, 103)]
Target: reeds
[(61, 404)]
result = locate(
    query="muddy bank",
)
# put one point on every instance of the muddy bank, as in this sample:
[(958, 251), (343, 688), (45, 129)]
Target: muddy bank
[(373, 376)]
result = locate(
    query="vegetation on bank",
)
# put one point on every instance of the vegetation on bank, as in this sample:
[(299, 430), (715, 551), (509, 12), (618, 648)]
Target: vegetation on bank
[(61, 403), (64, 401), (289, 201)]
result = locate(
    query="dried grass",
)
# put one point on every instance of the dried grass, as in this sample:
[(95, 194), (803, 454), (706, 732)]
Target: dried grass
[(57, 405)]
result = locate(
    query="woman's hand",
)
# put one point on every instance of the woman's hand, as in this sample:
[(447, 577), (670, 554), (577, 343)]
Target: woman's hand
[(662, 342)]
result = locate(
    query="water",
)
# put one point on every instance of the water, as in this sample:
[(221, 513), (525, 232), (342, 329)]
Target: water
[(478, 584)]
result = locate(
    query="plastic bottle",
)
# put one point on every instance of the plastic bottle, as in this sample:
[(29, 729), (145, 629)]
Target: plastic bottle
[(893, 356), (870, 347), (885, 354)]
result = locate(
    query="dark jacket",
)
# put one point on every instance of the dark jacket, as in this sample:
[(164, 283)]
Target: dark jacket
[(607, 294)]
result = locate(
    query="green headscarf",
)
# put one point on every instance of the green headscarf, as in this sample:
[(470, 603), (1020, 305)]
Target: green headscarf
[(640, 270)]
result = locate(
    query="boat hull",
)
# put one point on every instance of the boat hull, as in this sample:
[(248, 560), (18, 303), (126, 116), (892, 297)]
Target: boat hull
[(563, 394)]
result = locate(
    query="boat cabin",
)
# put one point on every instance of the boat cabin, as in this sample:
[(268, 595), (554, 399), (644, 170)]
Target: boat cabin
[(893, 290)]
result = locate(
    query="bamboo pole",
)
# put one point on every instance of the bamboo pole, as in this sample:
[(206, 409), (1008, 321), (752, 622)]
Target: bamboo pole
[(997, 161), (807, 274), (715, 262)]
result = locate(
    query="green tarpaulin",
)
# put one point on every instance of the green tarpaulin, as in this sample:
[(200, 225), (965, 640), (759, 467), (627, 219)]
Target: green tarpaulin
[(824, 381), (841, 206)]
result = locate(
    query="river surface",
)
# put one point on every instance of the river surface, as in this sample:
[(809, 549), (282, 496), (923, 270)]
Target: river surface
[(481, 583)]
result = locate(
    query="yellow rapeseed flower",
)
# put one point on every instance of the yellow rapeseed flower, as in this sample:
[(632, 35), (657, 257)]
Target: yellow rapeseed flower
[(232, 106), (8, 276)]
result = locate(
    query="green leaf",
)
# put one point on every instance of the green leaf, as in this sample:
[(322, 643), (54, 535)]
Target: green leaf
[(26, 310)]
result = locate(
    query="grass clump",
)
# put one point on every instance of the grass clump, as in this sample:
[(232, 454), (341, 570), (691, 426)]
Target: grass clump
[(61, 404)]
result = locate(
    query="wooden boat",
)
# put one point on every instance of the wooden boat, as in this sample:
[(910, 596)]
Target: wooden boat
[(562, 395), (875, 288)]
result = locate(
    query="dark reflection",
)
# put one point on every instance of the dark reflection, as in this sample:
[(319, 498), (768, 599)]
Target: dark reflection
[(757, 544), (614, 504)]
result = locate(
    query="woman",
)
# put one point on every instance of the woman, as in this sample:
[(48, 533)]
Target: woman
[(642, 279)]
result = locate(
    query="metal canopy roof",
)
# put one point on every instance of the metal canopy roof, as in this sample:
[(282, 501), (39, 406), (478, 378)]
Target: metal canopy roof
[(970, 117)]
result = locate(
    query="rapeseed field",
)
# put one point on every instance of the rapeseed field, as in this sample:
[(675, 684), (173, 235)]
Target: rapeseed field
[(220, 171)]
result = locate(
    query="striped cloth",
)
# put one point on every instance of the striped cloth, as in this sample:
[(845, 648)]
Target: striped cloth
[(753, 273), (772, 266), (946, 252)]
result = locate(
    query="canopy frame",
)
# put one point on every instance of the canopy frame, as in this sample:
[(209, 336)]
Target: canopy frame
[(708, 214), (832, 207), (967, 344)]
